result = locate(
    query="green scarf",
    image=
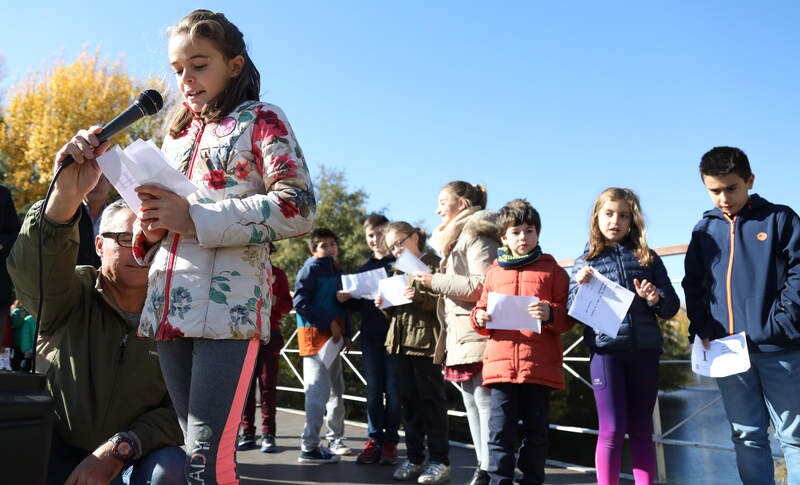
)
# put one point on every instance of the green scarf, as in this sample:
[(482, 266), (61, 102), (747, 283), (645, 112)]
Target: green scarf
[(507, 260)]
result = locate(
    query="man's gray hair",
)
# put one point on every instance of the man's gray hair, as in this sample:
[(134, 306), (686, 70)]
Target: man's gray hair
[(109, 211)]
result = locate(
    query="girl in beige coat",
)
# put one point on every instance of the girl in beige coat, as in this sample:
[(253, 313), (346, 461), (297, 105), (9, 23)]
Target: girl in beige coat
[(467, 240)]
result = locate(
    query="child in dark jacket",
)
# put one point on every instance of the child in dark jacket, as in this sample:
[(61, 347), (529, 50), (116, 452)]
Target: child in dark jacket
[(624, 369), (380, 367), (413, 332), (320, 317), (521, 367), (743, 275)]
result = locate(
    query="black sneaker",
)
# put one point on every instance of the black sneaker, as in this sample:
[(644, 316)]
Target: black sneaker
[(268, 443), (246, 442), (320, 454)]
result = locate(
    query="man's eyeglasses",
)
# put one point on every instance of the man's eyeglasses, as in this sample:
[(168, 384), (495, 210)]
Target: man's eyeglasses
[(399, 244), (124, 239)]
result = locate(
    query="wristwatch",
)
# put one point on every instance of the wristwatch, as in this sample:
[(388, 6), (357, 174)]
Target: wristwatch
[(124, 448)]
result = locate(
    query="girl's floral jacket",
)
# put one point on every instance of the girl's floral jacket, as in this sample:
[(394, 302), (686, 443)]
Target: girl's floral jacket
[(253, 187)]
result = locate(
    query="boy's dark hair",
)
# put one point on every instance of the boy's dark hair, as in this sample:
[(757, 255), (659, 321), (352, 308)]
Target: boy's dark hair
[(318, 234), (376, 220), (516, 213), (228, 39), (724, 161)]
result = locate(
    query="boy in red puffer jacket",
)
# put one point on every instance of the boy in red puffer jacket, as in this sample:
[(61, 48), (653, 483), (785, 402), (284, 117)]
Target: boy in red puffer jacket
[(522, 367)]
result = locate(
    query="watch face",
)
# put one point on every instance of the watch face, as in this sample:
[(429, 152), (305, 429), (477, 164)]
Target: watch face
[(123, 450)]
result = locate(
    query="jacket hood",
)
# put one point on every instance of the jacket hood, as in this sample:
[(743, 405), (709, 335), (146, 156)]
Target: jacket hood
[(483, 223)]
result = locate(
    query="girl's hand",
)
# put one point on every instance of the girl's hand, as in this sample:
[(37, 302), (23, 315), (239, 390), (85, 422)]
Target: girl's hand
[(378, 301), (646, 290), (164, 210), (343, 296), (424, 279), (409, 292), (481, 317), (583, 275), (539, 310)]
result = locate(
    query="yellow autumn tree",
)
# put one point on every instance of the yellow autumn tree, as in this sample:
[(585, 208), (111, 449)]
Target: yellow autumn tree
[(48, 107)]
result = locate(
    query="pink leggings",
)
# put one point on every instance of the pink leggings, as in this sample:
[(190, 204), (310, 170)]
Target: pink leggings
[(625, 389)]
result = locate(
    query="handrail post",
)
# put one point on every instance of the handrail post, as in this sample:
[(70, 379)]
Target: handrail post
[(661, 464)]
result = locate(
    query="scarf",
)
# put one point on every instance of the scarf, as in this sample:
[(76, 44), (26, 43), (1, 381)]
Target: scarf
[(506, 260), (444, 237)]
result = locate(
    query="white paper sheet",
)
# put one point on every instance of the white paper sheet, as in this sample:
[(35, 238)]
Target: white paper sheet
[(139, 164), (601, 304), (391, 290), (364, 285), (727, 356), (329, 350), (510, 312), (408, 263)]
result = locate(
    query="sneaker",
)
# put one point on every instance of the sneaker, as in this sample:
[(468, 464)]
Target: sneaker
[(388, 453), (246, 442), (337, 446), (370, 454), (407, 471), (267, 443), (320, 454), (435, 473)]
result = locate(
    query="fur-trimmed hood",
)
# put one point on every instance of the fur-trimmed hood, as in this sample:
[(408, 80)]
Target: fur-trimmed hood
[(483, 223)]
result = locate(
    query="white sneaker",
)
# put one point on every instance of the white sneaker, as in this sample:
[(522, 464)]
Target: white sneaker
[(407, 471), (435, 473), (338, 447)]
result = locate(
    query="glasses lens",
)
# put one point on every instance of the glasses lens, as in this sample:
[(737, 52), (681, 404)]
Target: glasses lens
[(125, 239)]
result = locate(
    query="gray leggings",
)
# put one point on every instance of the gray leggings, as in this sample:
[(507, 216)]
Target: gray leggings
[(208, 382)]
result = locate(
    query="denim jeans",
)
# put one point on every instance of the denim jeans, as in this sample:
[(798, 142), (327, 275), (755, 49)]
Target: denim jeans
[(380, 372), (770, 389), (163, 466)]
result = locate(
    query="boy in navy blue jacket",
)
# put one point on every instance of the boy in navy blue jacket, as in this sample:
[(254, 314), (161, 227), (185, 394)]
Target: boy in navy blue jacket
[(320, 317), (380, 367), (742, 273)]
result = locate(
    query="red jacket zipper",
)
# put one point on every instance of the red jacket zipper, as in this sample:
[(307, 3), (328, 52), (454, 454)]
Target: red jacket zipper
[(174, 248)]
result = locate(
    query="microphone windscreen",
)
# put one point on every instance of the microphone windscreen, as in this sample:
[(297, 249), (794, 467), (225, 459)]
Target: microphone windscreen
[(150, 101)]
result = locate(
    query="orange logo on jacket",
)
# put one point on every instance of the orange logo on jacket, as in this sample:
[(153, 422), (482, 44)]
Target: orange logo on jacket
[(761, 236)]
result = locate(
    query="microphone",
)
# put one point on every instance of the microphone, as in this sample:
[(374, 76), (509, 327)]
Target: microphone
[(148, 103)]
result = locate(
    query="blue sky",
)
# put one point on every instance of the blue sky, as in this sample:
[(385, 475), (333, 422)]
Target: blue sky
[(549, 101)]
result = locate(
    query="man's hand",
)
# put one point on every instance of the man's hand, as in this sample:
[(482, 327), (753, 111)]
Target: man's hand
[(409, 292), (99, 468), (343, 296), (77, 179), (481, 317)]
